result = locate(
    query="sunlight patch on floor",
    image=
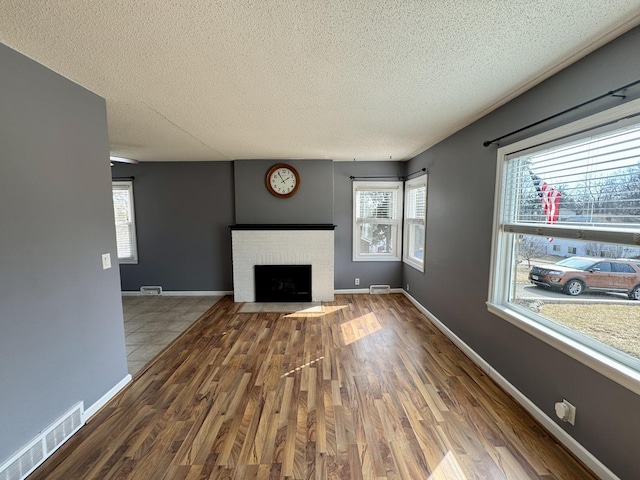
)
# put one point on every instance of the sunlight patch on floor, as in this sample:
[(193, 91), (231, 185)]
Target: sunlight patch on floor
[(448, 469), (359, 328), (320, 311), (297, 369)]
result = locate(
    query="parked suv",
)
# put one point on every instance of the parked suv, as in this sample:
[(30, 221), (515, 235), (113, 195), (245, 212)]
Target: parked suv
[(574, 275)]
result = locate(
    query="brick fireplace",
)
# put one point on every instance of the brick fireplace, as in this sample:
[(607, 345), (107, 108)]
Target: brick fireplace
[(283, 245)]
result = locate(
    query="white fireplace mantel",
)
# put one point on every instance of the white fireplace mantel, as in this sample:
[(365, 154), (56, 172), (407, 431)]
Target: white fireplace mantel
[(283, 245)]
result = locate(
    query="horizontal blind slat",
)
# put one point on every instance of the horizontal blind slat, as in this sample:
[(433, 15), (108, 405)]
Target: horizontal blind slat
[(629, 237)]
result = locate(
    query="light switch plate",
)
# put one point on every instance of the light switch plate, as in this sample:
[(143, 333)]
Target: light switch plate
[(106, 261)]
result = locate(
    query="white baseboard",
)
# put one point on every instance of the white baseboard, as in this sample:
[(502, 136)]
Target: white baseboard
[(348, 291), (561, 435), (102, 401), (179, 293)]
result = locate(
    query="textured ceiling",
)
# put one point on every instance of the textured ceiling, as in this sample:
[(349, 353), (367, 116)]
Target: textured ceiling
[(283, 79)]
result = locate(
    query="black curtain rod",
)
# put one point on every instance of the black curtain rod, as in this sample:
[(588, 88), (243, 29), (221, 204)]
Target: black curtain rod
[(610, 93), (122, 178), (573, 134), (417, 171), (379, 177), (371, 177)]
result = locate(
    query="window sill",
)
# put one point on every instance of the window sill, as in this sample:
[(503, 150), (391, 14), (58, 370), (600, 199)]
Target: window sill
[(376, 259), (128, 262), (619, 373), (417, 265)]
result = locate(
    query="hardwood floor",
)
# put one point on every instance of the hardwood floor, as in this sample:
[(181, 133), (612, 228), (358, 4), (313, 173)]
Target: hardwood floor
[(367, 389)]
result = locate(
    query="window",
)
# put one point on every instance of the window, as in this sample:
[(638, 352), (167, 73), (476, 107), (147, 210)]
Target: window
[(125, 221), (415, 215), (577, 187), (622, 268), (377, 210)]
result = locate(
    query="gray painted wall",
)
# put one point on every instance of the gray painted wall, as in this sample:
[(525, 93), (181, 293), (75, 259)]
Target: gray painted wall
[(346, 270), (312, 203), (455, 283), (183, 211), (62, 333)]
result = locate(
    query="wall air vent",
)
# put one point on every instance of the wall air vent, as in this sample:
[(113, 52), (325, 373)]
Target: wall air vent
[(377, 289), (151, 290), (27, 459)]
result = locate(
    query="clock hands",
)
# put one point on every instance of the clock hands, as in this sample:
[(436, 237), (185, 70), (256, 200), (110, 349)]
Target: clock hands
[(282, 180)]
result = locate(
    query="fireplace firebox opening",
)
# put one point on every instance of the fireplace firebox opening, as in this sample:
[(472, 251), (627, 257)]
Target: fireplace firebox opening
[(283, 283)]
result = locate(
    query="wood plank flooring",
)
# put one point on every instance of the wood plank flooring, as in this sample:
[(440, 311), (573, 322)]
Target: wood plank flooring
[(367, 389)]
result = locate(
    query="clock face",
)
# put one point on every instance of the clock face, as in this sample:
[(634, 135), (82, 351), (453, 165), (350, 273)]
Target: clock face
[(282, 180)]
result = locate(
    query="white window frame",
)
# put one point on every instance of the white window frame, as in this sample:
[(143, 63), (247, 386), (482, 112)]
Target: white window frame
[(409, 222), (395, 222), (128, 185), (498, 295)]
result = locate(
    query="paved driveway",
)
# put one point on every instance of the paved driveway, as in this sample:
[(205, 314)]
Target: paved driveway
[(527, 291)]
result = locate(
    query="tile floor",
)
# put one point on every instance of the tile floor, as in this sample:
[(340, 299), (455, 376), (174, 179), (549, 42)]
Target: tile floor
[(279, 307), (153, 322)]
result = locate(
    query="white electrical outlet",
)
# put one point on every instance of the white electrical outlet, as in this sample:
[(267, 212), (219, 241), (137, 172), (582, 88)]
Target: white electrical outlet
[(357, 281), (566, 412), (106, 261), (407, 287)]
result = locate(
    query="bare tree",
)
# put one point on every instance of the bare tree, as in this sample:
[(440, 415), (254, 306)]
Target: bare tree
[(607, 250), (610, 199), (531, 247)]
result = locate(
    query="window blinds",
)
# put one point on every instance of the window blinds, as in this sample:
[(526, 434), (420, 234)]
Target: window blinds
[(416, 204), (123, 213), (377, 203), (587, 188)]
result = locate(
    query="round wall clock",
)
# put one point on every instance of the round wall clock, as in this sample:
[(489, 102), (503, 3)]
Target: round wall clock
[(282, 180)]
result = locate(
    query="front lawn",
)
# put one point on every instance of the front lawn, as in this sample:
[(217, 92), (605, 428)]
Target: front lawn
[(614, 325)]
